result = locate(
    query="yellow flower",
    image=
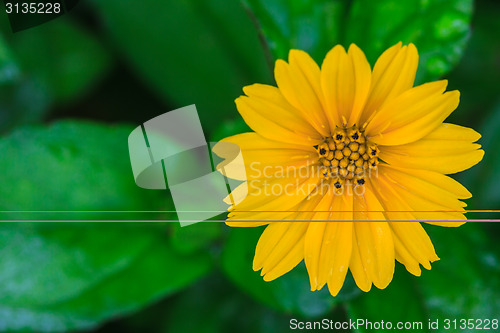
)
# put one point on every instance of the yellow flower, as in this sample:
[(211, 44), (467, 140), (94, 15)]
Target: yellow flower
[(340, 157)]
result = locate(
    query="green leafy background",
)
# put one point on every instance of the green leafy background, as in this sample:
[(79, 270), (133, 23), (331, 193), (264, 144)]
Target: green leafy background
[(71, 90)]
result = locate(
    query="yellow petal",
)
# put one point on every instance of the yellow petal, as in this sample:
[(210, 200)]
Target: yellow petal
[(251, 111), (394, 113), (241, 218), (416, 240), (336, 252), (328, 243), (374, 238), (315, 238), (420, 186), (423, 209), (278, 193), (312, 250), (261, 157), (412, 115), (275, 260), (444, 183), (297, 202), (454, 133), (413, 245), (356, 266), (267, 242), (393, 73), (404, 257), (270, 103), (448, 149), (345, 81), (247, 218), (246, 223), (255, 141), (299, 82), (362, 78), (280, 248), (288, 262)]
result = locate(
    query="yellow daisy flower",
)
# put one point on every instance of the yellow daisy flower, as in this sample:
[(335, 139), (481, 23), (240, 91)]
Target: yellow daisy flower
[(344, 161)]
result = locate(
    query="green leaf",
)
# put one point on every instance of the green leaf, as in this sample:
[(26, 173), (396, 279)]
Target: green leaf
[(313, 26), (72, 166), (62, 277), (196, 237), (67, 276), (290, 293), (230, 311), (401, 302), (190, 52), (21, 101), (483, 179), (476, 76), (52, 63), (62, 57), (229, 128), (439, 29), (464, 284), (9, 69)]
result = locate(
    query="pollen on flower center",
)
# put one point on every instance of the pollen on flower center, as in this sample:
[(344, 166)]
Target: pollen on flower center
[(346, 156)]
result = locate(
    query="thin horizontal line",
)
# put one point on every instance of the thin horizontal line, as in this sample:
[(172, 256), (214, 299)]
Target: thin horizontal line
[(251, 211), (196, 221)]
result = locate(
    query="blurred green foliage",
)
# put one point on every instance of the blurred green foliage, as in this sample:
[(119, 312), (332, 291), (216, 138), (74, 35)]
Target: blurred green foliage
[(71, 91), (71, 166), (291, 293), (59, 277), (464, 284), (35, 77), (189, 52), (439, 29)]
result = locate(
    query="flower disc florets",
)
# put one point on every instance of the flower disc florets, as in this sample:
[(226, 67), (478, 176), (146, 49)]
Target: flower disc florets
[(347, 156)]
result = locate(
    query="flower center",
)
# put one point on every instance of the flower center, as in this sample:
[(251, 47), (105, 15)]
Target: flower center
[(346, 156)]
